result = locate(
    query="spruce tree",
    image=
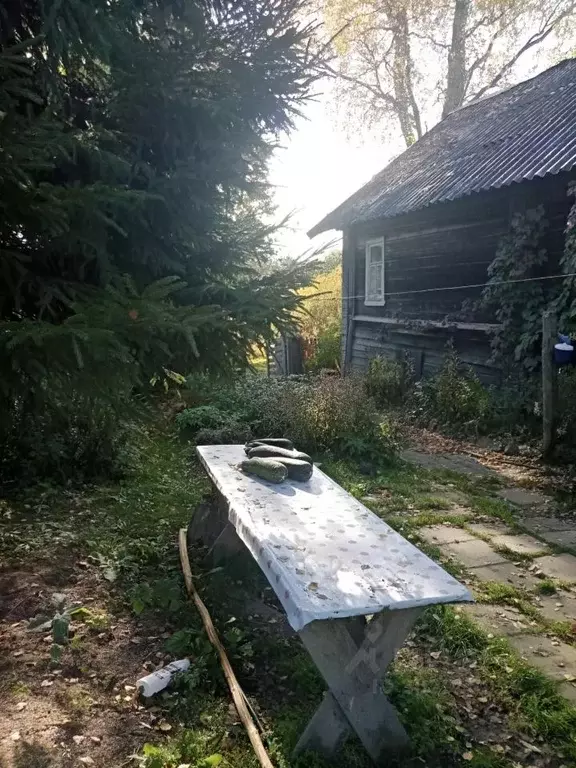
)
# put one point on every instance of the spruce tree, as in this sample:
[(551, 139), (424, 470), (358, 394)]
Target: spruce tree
[(134, 140)]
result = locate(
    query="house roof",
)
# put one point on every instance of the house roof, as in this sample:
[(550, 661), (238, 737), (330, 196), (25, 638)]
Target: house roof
[(521, 133)]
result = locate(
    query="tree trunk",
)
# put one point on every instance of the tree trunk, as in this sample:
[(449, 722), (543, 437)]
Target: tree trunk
[(456, 78), (407, 108)]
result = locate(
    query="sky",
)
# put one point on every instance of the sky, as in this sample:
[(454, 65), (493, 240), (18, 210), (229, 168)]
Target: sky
[(319, 165), (317, 168)]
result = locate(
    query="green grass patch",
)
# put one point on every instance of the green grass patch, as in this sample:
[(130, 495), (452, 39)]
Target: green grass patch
[(546, 587), (492, 507), (532, 699)]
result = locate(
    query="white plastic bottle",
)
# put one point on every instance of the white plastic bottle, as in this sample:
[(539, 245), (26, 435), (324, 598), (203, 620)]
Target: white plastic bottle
[(158, 680)]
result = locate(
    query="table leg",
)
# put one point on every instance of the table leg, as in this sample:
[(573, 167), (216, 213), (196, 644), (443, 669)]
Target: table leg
[(226, 545), (353, 672)]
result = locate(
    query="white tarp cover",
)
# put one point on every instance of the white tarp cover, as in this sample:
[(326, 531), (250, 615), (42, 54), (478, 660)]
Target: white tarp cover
[(324, 553)]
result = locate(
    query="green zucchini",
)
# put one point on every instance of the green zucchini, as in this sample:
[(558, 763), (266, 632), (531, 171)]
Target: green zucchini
[(270, 451), (267, 469), (279, 442), (297, 470)]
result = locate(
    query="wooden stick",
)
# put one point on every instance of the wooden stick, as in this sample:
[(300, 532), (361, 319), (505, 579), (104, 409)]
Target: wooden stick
[(237, 693)]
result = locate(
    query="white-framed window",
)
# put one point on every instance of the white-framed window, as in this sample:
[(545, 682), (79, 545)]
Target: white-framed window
[(374, 296)]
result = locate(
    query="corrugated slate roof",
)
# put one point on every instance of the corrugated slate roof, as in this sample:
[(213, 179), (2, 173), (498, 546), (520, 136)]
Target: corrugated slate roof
[(526, 131)]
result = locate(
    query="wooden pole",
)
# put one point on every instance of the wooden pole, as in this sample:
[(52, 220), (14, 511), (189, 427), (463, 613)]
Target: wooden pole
[(548, 382), (237, 693)]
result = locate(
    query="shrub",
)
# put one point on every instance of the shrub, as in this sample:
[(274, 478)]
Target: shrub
[(74, 440), (320, 413), (233, 433), (202, 417), (388, 381), (326, 350), (453, 399)]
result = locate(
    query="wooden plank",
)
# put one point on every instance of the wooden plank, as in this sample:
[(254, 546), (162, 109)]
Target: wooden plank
[(227, 545), (348, 292), (353, 675), (549, 330), (327, 731), (394, 321)]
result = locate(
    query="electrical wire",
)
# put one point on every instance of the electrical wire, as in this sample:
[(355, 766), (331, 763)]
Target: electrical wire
[(446, 288)]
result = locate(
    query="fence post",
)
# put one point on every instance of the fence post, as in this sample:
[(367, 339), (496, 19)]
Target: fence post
[(548, 382)]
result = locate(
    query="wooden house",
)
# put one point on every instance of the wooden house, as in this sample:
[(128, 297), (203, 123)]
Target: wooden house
[(419, 237)]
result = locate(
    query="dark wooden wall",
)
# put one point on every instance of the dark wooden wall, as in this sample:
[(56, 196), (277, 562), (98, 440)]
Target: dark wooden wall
[(446, 245)]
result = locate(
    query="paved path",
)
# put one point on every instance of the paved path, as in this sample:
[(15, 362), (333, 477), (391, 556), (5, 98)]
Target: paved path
[(494, 552), (536, 556)]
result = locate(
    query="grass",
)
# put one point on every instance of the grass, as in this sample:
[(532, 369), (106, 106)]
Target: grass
[(531, 698), (546, 587), (130, 530)]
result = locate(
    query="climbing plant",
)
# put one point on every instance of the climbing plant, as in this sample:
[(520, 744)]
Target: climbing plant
[(565, 301), (518, 306)]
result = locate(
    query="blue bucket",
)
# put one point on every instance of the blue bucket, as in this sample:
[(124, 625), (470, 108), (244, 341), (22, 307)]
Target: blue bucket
[(563, 353)]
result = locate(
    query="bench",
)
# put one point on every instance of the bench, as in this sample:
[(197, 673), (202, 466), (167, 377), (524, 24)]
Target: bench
[(332, 563)]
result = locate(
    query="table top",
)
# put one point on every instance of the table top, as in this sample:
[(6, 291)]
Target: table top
[(324, 553)]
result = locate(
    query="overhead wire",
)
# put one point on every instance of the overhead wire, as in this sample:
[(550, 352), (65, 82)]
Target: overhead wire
[(324, 297)]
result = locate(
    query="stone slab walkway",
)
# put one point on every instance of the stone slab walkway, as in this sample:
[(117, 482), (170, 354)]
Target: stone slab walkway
[(497, 553), (523, 573)]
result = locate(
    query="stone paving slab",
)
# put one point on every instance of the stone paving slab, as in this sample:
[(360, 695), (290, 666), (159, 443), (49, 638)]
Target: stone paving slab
[(455, 462), (560, 538), (556, 607), (523, 498), (499, 619), (490, 529), (553, 657), (520, 544), (568, 690), (444, 534), (541, 524), (507, 573), (473, 554), (562, 567)]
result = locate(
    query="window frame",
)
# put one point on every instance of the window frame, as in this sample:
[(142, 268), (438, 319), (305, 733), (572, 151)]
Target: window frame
[(370, 244)]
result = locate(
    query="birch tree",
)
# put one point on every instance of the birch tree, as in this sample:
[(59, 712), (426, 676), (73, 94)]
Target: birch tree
[(413, 62)]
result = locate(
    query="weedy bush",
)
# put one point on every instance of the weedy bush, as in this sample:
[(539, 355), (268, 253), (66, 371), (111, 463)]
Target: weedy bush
[(320, 413), (388, 381), (326, 354), (453, 399), (334, 413)]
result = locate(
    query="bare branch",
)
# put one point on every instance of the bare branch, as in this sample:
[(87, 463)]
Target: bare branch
[(538, 37), (377, 92), (429, 39)]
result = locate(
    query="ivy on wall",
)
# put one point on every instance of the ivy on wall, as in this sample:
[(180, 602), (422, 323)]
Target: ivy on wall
[(565, 302), (518, 306)]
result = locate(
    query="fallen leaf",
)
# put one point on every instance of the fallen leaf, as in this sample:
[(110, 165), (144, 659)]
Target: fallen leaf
[(313, 586), (570, 678), (15, 735), (530, 747), (21, 705), (164, 726), (46, 683), (18, 653), (86, 760), (78, 739), (95, 739), (435, 654), (468, 756)]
